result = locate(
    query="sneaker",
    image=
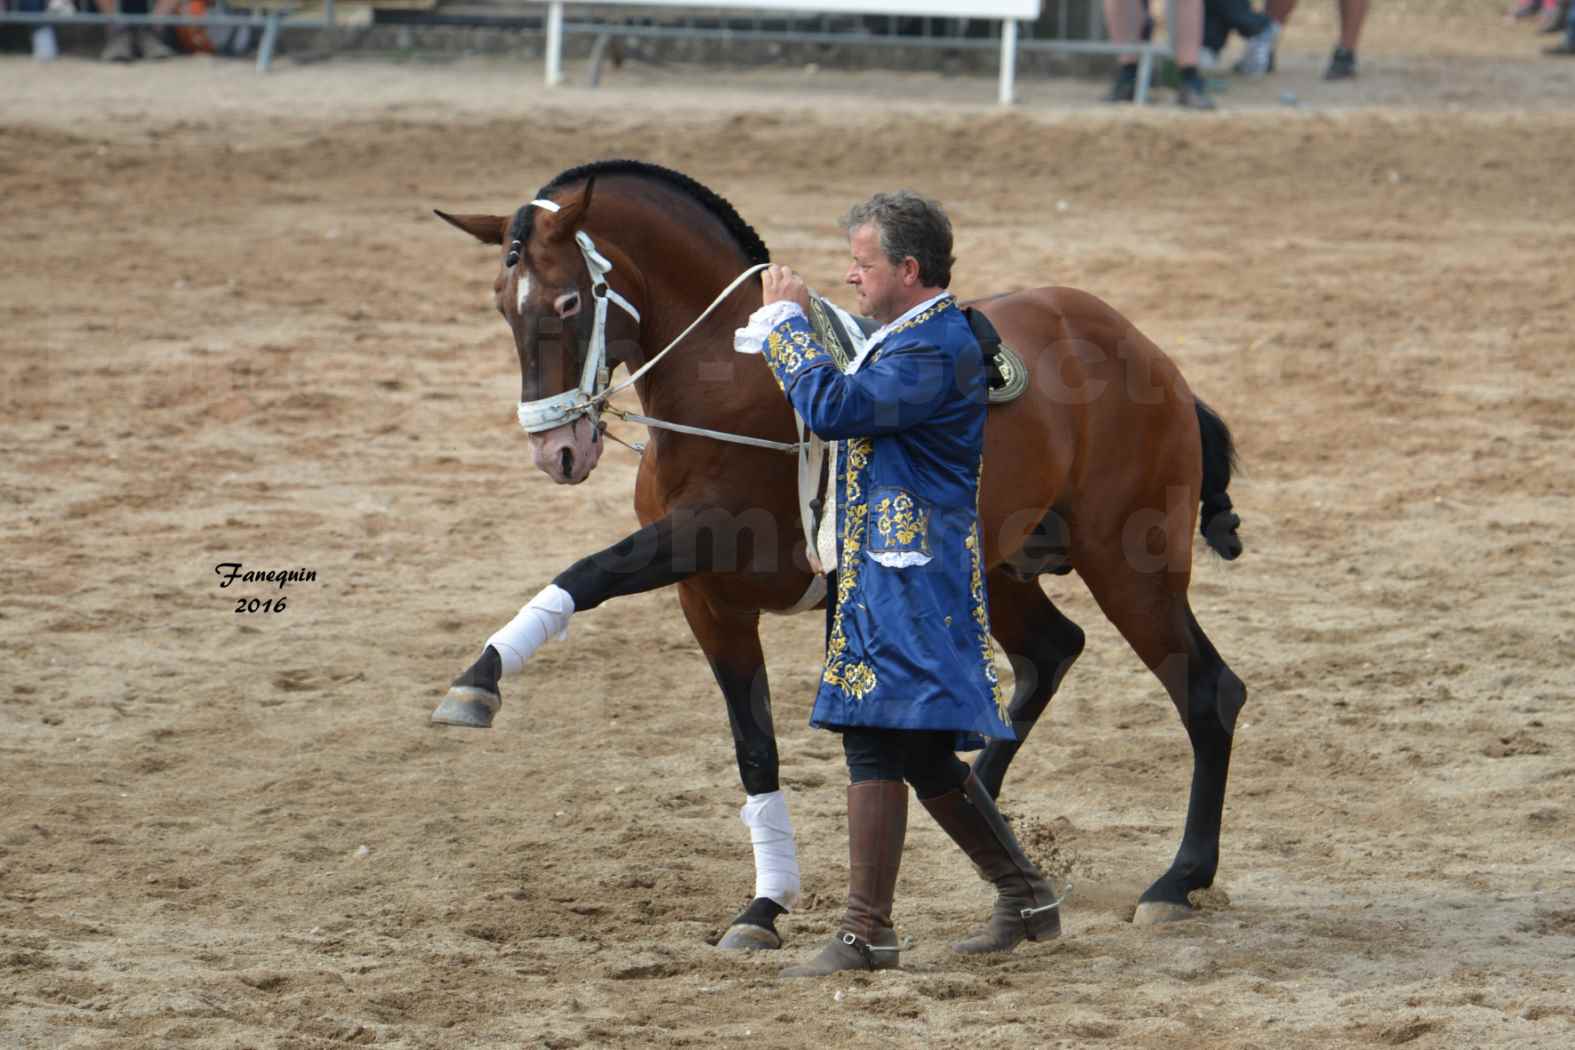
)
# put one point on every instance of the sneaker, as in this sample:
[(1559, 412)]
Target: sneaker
[(153, 46), (1208, 59), (1194, 95), (1258, 58), (45, 47), (1342, 65), (1563, 49), (119, 48)]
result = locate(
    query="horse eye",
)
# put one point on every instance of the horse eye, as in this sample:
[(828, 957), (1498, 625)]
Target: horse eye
[(567, 305)]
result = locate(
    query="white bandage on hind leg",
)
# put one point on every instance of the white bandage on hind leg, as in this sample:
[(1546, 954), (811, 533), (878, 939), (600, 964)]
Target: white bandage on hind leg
[(776, 851), (544, 616)]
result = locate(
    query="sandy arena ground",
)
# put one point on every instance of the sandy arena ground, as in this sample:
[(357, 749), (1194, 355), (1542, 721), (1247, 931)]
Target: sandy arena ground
[(230, 330)]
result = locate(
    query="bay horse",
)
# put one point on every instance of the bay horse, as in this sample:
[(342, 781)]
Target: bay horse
[(1099, 468)]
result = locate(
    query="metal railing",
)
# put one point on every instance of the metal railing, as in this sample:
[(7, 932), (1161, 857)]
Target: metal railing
[(1048, 34), (268, 21)]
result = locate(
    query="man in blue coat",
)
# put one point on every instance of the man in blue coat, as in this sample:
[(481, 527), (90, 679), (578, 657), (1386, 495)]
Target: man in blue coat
[(909, 678)]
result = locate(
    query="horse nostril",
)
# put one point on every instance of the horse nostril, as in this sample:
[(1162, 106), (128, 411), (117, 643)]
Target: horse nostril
[(566, 457)]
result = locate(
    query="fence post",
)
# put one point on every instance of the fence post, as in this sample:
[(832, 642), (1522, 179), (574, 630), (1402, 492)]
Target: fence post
[(1008, 60), (555, 43), (270, 37)]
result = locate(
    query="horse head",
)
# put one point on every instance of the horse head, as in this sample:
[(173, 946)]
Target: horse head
[(545, 290)]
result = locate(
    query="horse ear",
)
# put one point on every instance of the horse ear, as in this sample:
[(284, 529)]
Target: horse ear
[(488, 229), (572, 215)]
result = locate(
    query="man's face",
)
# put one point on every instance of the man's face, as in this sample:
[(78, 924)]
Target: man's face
[(879, 281)]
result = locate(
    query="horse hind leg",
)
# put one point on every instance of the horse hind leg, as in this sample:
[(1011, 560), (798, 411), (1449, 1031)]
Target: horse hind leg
[(1152, 613), (732, 646), (1042, 645), (1213, 698)]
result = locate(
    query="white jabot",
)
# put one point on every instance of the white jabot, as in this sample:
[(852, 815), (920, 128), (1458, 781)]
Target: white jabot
[(884, 330)]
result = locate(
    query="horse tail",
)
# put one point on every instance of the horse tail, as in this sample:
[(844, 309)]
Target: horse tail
[(1218, 522)]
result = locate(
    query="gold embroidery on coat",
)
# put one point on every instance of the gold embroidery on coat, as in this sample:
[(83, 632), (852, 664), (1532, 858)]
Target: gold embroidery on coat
[(853, 677), (789, 349), (897, 515), (940, 307), (981, 619)]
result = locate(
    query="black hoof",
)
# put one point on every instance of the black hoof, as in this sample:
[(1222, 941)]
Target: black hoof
[(1170, 898), (473, 698), (745, 938), (755, 928), (468, 707), (1158, 913)]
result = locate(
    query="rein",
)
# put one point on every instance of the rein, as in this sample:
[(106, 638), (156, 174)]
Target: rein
[(591, 396)]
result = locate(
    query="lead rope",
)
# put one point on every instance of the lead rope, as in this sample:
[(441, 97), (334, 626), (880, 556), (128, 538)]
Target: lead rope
[(602, 399), (737, 439), (630, 381)]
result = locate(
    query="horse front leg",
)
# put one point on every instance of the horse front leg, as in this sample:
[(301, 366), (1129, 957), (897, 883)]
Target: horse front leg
[(661, 554), (731, 643)]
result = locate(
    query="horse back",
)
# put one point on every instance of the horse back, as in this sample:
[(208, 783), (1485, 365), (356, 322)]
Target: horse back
[(1107, 425)]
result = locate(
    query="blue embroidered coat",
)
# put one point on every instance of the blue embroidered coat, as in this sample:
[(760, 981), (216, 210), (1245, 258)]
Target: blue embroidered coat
[(909, 639)]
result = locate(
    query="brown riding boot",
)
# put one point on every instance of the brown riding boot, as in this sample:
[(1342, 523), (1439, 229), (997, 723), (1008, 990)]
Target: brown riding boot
[(865, 940), (1025, 903)]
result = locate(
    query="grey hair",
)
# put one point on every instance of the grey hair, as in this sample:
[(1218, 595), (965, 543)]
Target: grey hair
[(909, 225)]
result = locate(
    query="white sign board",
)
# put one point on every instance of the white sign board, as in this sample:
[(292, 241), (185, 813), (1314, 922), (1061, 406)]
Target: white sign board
[(938, 8)]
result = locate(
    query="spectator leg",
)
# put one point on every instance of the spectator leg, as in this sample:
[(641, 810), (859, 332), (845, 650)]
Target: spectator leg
[(1186, 36), (1125, 19), (1352, 14)]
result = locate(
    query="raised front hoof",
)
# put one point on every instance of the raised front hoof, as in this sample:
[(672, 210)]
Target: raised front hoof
[(1160, 913), (746, 938), (467, 706)]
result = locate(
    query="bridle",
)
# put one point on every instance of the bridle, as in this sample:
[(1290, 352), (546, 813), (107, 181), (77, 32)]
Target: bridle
[(590, 397), (549, 413)]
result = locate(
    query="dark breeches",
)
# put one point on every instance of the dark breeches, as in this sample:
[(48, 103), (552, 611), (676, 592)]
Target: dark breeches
[(922, 757)]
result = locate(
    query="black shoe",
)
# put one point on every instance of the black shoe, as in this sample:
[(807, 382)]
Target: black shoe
[(1342, 65), (1564, 49), (1194, 95), (1124, 89)]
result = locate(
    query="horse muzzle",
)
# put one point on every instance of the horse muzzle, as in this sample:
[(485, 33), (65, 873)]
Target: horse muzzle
[(567, 454)]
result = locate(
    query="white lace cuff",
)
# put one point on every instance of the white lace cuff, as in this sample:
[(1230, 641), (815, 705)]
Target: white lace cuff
[(751, 339), (901, 559)]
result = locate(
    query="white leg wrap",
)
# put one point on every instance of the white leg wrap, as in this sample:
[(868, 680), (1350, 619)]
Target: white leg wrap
[(544, 617), (776, 850)]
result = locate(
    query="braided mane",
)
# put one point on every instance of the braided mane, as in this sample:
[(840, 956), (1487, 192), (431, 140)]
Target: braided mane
[(749, 241)]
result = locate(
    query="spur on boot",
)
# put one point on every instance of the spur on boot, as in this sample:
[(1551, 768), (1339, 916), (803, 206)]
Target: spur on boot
[(1026, 905), (865, 940)]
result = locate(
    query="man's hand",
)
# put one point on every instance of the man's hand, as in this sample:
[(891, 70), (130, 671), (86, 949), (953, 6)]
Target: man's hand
[(781, 284)]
